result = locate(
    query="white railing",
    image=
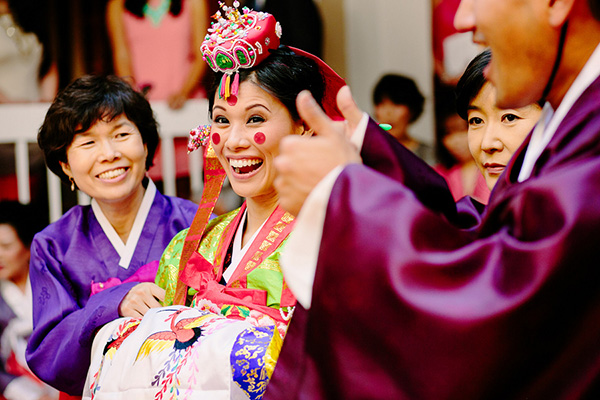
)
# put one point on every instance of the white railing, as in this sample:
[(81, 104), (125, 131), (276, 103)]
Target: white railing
[(19, 124)]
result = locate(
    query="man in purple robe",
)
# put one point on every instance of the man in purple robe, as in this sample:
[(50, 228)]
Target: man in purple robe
[(72, 253), (407, 295)]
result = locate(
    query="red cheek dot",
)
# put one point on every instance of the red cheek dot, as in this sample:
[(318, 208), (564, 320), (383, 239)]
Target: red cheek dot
[(259, 137), (232, 100), (216, 138)]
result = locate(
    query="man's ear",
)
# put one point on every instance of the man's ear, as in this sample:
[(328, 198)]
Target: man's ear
[(559, 11)]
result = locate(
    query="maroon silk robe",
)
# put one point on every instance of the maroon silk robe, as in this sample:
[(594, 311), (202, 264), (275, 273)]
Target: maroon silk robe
[(418, 298)]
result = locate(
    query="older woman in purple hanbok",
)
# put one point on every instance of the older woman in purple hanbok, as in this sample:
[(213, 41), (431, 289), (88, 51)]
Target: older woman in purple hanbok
[(100, 135)]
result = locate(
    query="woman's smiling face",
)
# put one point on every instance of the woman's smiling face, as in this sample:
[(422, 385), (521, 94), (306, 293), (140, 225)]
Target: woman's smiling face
[(108, 161), (245, 135)]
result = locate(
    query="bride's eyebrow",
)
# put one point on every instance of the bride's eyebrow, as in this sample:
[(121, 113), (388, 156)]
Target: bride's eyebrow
[(257, 105)]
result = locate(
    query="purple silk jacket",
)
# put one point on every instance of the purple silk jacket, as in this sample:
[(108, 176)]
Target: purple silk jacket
[(65, 258), (416, 298)]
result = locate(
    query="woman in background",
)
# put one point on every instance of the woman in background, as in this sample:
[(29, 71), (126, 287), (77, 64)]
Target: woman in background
[(398, 102), (18, 224), (494, 134), (156, 44), (456, 163), (477, 143), (28, 73)]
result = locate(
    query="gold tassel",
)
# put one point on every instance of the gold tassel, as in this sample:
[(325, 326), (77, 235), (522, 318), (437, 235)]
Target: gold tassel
[(227, 86)]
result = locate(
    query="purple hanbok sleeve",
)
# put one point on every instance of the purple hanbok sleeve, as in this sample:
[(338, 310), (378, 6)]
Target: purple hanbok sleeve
[(408, 304), (59, 348), (66, 258), (381, 152)]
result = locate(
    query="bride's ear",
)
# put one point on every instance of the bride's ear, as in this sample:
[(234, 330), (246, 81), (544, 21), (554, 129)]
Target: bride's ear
[(307, 131)]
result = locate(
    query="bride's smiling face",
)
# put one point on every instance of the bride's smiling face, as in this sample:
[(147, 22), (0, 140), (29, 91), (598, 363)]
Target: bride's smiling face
[(245, 135)]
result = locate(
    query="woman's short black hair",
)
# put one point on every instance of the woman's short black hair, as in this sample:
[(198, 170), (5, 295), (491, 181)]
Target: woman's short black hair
[(471, 82), (25, 219), (402, 90), (85, 101), (283, 74)]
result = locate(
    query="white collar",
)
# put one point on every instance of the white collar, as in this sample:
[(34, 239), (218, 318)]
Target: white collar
[(18, 301), (126, 250), (550, 120), (237, 251)]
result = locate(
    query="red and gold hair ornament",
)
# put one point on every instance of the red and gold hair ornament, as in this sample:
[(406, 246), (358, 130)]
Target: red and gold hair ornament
[(238, 40)]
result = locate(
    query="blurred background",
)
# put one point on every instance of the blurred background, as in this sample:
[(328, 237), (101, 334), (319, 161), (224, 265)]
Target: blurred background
[(361, 40)]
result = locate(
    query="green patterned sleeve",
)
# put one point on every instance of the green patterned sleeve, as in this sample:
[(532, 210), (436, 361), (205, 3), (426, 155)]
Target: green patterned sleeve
[(166, 277)]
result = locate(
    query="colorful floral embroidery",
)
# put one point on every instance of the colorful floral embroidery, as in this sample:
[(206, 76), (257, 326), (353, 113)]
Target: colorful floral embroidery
[(126, 328)]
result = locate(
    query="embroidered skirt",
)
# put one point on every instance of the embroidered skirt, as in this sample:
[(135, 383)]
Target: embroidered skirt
[(180, 352)]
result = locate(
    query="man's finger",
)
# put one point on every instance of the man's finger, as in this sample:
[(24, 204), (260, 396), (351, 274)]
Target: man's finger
[(348, 107), (313, 115)]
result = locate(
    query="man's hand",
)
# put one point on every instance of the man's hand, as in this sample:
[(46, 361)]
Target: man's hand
[(140, 299), (304, 161)]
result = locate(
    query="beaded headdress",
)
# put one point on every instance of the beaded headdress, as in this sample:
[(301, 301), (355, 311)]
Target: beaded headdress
[(238, 40), (243, 39)]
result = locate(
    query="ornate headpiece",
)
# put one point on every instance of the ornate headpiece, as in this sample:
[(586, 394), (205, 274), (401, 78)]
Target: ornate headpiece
[(238, 40), (242, 40)]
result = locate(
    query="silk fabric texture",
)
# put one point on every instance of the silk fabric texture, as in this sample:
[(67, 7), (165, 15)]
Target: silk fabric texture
[(65, 258), (449, 302)]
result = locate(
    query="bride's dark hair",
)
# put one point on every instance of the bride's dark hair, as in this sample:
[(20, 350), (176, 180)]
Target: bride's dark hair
[(283, 74)]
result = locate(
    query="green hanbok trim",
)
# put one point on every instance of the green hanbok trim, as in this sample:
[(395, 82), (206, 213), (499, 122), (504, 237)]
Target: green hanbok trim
[(267, 276)]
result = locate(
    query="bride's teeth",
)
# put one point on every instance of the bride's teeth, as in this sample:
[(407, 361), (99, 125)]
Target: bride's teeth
[(112, 174), (243, 163), (244, 166)]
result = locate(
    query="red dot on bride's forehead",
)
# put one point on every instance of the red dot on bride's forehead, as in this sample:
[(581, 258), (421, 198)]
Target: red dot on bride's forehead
[(216, 138), (259, 137)]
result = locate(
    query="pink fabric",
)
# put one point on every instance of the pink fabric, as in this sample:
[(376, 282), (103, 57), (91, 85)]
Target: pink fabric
[(160, 56), (146, 273), (453, 177)]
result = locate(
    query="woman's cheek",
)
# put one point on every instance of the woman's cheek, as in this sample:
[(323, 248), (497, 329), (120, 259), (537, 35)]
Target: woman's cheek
[(259, 138)]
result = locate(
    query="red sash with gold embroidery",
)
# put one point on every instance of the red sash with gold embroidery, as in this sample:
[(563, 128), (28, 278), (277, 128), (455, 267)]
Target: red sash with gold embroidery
[(204, 277), (214, 175)]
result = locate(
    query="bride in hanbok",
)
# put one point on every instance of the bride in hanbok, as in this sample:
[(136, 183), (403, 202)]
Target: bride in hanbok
[(227, 306)]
